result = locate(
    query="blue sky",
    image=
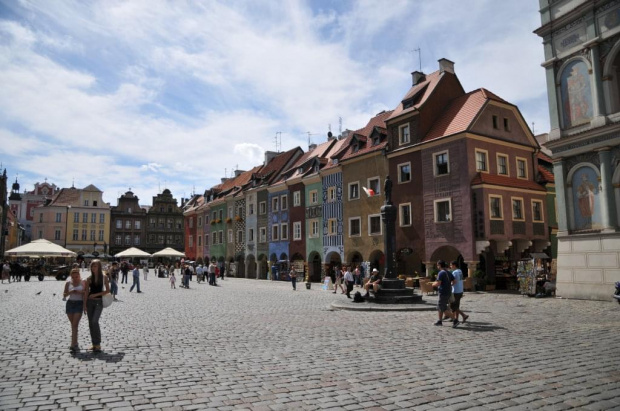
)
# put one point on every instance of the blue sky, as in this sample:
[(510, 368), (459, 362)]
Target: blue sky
[(148, 94)]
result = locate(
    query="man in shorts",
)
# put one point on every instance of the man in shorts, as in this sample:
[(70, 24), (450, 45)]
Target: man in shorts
[(374, 282), (444, 283), (457, 292)]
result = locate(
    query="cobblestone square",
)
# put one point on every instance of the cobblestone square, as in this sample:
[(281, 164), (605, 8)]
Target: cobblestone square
[(258, 345)]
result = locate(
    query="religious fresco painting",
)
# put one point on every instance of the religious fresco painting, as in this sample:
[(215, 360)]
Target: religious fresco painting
[(576, 94), (586, 199)]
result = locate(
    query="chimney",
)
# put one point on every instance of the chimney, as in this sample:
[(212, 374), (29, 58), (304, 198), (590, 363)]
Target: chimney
[(446, 65), (330, 136), (224, 179), (239, 172), (311, 147), (417, 76), (269, 155)]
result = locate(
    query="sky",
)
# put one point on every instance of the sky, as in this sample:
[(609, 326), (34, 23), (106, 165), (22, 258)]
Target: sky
[(148, 94)]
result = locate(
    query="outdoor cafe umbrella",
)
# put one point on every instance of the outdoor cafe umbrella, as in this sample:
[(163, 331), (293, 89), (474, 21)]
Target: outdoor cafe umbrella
[(168, 252), (40, 248), (132, 252)]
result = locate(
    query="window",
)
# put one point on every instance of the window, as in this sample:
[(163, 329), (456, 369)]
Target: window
[(354, 191), (136, 224), (262, 207), (403, 134), (57, 234), (85, 217), (251, 235), (58, 217), (230, 213), (93, 218), (41, 217), (297, 230), (119, 224), (191, 222), (127, 239), (84, 236), (405, 214), (214, 215), (40, 233), (355, 227), (129, 210), (521, 168), (92, 235), (190, 241), (495, 207), (517, 208), (506, 124), (169, 223), (404, 173), (127, 224), (199, 222), (375, 185), (481, 160), (275, 204), (240, 211), (76, 218), (314, 197), (495, 122), (239, 236), (220, 214), (251, 209), (331, 194), (220, 236), (441, 164), (214, 239), (136, 240), (537, 214), (502, 164), (206, 239), (100, 235), (374, 224), (274, 232), (75, 235), (262, 232), (442, 211), (118, 240), (284, 231), (314, 228), (284, 202), (101, 218), (199, 241), (230, 235), (296, 198), (332, 226), (85, 203)]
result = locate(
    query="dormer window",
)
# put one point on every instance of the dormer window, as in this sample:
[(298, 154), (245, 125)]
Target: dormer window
[(355, 148), (375, 141)]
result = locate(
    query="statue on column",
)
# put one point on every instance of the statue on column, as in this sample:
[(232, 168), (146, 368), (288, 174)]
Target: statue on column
[(387, 188)]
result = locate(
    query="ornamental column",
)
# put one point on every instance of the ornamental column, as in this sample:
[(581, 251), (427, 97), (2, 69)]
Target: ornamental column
[(608, 205), (560, 196)]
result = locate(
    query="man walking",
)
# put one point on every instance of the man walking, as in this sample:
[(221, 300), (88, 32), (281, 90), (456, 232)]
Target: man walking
[(349, 281), (457, 292), (212, 273), (293, 275), (444, 283), (124, 271), (136, 278)]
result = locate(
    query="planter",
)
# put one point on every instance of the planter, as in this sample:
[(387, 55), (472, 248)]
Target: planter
[(308, 285), (490, 287)]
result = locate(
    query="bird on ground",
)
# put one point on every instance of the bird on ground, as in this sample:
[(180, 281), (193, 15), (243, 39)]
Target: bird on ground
[(54, 295), (6, 291), (39, 292)]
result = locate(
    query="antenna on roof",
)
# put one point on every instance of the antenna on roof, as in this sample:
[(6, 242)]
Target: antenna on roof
[(419, 56), (278, 141), (533, 128), (339, 126)]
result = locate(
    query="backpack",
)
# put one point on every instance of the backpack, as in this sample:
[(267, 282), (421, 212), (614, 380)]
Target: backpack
[(357, 298)]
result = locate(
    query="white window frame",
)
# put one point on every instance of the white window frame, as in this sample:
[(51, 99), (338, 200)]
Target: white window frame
[(239, 236), (230, 213), (262, 207), (370, 218), (220, 235), (284, 232), (262, 235), (296, 198), (486, 160), (332, 226), (501, 207), (524, 160), (251, 209), (378, 190), (351, 220), (199, 221), (250, 235), (284, 202), (435, 165), (296, 230), (504, 156), (199, 244), (230, 235), (436, 210), (351, 185), (512, 208), (275, 232), (401, 214), (190, 240), (399, 168), (275, 203), (119, 224), (331, 194), (314, 228), (402, 137), (314, 197), (542, 214)]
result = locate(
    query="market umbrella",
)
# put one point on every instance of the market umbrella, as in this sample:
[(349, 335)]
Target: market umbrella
[(40, 248), (88, 256), (132, 252), (168, 252)]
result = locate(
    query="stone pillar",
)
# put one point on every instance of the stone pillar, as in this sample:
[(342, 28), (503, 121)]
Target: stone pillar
[(429, 268), (388, 215), (560, 196), (608, 205), (471, 267)]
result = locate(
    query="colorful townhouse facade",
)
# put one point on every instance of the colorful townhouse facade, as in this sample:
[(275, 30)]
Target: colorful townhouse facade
[(128, 224)]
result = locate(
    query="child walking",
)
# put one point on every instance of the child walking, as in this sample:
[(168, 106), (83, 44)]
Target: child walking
[(173, 280)]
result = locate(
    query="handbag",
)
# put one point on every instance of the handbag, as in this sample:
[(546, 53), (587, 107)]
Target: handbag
[(107, 300)]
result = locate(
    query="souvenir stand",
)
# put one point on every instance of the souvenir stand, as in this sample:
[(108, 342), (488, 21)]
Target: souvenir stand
[(532, 274)]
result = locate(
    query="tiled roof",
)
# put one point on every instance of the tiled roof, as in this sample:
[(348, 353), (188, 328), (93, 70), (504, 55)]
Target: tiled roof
[(274, 167), (542, 156), (66, 197), (418, 94), (460, 114), (337, 151), (545, 176), (320, 151), (494, 179), (375, 123)]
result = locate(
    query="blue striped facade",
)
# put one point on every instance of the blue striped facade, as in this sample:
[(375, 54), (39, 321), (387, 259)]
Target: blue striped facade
[(333, 243), (277, 247)]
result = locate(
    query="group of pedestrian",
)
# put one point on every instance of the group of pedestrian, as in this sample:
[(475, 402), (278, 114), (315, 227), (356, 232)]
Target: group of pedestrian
[(449, 286)]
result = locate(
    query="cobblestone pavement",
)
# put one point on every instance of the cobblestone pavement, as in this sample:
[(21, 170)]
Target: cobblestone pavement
[(258, 345)]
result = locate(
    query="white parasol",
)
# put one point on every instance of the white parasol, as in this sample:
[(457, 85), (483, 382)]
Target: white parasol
[(40, 248)]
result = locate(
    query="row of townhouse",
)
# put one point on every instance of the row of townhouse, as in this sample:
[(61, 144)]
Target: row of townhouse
[(467, 182)]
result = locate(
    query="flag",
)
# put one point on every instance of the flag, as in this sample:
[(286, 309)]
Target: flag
[(369, 191)]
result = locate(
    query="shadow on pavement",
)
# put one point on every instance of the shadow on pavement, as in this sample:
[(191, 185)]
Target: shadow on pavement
[(102, 356), (477, 326)]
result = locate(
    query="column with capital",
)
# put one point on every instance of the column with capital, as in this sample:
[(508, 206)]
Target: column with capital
[(608, 204), (560, 196)]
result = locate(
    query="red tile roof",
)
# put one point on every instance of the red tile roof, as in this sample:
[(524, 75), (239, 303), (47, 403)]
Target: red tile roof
[(66, 197), (544, 157), (418, 94), (545, 176), (460, 114), (494, 179), (378, 123)]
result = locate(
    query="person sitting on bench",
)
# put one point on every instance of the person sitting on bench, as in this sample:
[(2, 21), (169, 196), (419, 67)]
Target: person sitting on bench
[(374, 282)]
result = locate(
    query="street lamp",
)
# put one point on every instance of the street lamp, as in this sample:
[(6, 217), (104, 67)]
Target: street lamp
[(95, 252)]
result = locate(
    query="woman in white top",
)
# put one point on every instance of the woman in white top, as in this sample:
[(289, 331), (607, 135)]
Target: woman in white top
[(74, 294)]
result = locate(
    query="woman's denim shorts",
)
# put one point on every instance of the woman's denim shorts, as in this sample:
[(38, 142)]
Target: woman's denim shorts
[(75, 306)]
